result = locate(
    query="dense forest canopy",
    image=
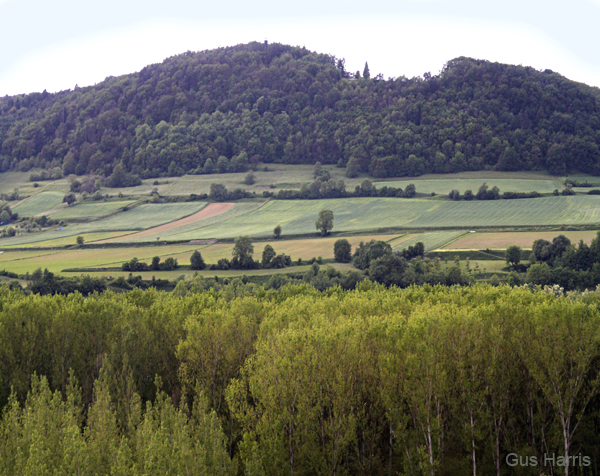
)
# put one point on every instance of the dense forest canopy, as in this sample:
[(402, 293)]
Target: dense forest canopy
[(277, 103), (429, 380)]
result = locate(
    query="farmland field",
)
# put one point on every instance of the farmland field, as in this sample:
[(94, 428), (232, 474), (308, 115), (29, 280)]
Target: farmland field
[(444, 186), (207, 212), (193, 230), (299, 216), (138, 218), (19, 261), (70, 240), (525, 239), (90, 210), (355, 214), (431, 240), (38, 204)]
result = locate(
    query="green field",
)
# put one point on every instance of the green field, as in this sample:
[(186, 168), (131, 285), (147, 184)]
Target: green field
[(90, 210), (39, 203), (444, 186), (355, 214), (191, 231), (138, 218), (431, 240)]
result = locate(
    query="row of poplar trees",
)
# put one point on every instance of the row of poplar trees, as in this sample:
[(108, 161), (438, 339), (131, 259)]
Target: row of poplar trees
[(244, 381)]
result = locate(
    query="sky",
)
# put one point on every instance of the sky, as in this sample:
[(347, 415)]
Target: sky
[(54, 45)]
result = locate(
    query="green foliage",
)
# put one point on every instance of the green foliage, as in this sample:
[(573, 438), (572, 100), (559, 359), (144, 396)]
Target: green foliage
[(196, 261), (291, 379), (513, 255), (277, 232), (324, 222), (79, 240), (69, 199), (242, 253), (287, 103), (267, 256), (342, 251)]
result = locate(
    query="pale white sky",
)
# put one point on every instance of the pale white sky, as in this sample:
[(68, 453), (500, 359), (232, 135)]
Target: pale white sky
[(54, 45)]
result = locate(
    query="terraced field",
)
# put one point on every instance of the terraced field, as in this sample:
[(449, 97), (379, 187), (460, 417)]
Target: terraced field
[(39, 203), (444, 186), (90, 210)]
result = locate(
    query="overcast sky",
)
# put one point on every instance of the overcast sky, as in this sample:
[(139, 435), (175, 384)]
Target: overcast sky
[(55, 44)]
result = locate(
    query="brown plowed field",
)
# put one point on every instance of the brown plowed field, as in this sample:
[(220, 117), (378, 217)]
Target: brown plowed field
[(210, 210)]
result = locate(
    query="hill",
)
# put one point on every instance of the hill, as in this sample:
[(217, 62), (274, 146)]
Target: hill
[(275, 103)]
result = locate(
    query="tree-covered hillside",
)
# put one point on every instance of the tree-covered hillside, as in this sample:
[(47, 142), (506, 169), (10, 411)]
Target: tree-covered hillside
[(277, 103)]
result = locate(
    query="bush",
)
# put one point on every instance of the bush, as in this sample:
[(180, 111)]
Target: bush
[(196, 261), (342, 251)]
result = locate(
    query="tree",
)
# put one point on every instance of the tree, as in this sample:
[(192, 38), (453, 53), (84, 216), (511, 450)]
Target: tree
[(4, 217), (79, 240), (318, 171), (539, 274), (250, 179), (409, 191), (513, 255), (69, 199), (196, 261), (277, 232), (342, 251), (222, 165), (267, 256), (353, 167), (324, 222), (209, 166), (218, 192), (155, 265), (366, 72), (242, 252)]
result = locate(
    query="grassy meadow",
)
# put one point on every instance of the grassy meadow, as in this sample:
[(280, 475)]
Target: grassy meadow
[(89, 210), (39, 204)]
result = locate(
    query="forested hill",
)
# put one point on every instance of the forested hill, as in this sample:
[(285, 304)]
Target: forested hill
[(278, 103)]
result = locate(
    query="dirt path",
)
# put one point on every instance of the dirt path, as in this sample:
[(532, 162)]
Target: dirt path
[(207, 212)]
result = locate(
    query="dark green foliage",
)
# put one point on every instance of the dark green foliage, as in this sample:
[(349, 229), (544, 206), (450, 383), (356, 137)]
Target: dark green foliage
[(277, 232), (513, 255), (365, 253), (155, 265), (46, 282), (242, 253), (342, 251), (120, 178), (267, 256), (249, 179), (283, 103), (69, 199), (196, 261), (324, 222)]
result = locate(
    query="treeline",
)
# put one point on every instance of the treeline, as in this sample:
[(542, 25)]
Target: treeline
[(229, 108), (427, 380), (485, 193), (565, 264)]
